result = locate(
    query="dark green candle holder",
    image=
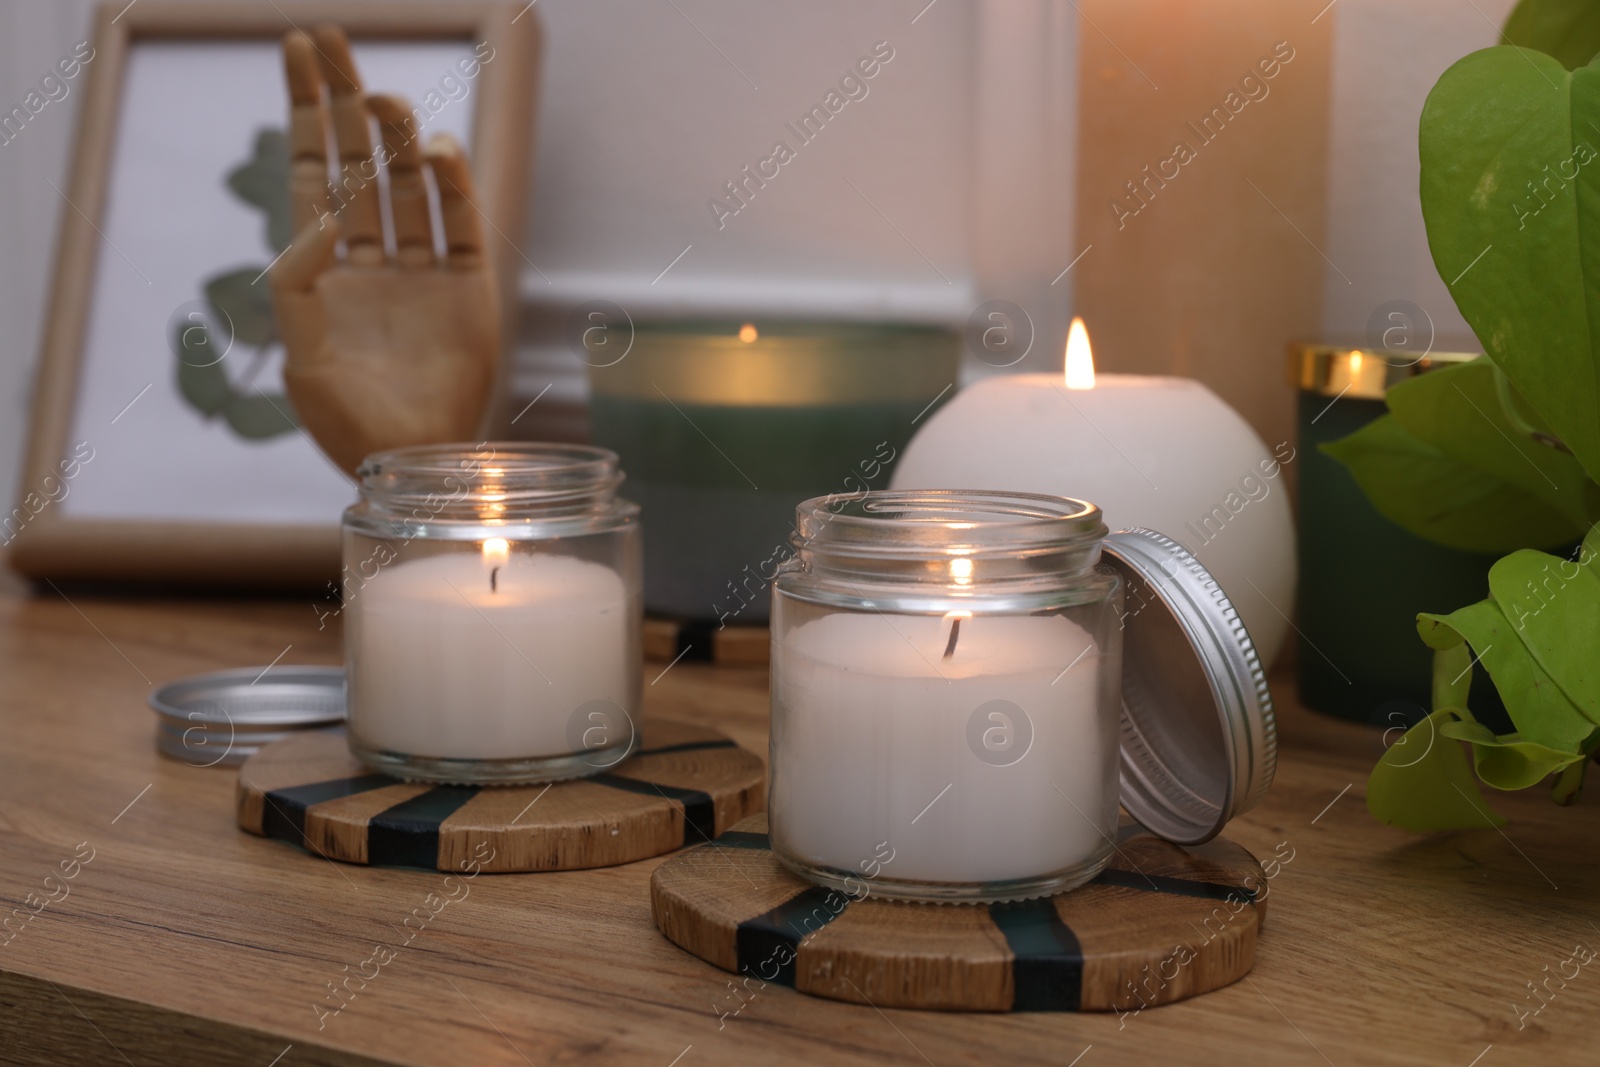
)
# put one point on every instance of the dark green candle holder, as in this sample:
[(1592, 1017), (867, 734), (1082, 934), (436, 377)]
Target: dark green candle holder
[(1363, 579), (724, 426)]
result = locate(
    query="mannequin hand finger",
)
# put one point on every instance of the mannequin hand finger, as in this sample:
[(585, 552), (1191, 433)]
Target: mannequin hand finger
[(463, 227), (356, 194), (302, 317), (408, 193), (308, 130)]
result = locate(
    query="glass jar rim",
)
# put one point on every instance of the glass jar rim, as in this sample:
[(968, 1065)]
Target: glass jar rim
[(911, 523), (505, 476)]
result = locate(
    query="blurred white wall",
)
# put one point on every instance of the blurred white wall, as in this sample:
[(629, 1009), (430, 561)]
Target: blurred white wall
[(1386, 57), (950, 182)]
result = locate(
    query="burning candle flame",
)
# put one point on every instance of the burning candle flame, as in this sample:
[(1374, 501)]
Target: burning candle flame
[(1080, 359), (747, 332)]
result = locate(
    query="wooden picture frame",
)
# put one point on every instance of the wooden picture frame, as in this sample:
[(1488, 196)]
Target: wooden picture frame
[(51, 543)]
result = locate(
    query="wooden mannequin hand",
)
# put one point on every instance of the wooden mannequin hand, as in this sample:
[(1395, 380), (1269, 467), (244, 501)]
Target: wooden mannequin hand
[(381, 351)]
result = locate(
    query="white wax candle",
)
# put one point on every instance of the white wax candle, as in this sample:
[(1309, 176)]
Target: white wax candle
[(1164, 453), (450, 667), (873, 743)]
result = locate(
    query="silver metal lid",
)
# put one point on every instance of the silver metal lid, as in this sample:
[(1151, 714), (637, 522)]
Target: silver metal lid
[(221, 719), (1199, 743)]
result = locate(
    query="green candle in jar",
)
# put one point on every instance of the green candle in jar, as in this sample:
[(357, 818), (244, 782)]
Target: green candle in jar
[(1363, 579), (723, 426)]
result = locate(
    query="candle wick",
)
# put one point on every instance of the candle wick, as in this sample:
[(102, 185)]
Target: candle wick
[(493, 583), (955, 632)]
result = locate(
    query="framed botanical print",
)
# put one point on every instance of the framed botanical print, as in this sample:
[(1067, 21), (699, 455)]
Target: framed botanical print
[(163, 447)]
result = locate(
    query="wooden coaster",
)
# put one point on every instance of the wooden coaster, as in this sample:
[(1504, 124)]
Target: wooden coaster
[(685, 786), (667, 640), (1161, 924)]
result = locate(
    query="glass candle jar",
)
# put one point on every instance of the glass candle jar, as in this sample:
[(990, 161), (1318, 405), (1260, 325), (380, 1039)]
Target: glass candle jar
[(946, 671), (492, 613)]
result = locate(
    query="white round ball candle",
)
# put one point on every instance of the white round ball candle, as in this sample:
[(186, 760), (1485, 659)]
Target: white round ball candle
[(1164, 453)]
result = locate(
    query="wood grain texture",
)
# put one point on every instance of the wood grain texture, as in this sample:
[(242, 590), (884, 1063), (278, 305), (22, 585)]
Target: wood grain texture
[(237, 555), (686, 785), (186, 941), (1159, 925), (1204, 268)]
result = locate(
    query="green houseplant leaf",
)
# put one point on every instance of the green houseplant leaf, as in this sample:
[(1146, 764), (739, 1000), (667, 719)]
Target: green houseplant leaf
[(1541, 711), (1511, 198), (1555, 735), (1423, 781), (1569, 783), (1568, 30), (1461, 411), (1553, 606), (1528, 422), (1508, 762), (1452, 676), (1441, 498)]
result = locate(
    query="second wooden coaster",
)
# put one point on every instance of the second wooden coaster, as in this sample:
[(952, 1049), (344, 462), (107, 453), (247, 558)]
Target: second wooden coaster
[(1160, 924), (685, 786)]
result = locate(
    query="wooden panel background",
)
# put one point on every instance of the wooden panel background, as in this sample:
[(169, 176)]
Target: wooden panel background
[(1221, 267)]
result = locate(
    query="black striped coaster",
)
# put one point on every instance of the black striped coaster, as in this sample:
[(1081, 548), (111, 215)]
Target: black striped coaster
[(685, 786), (1160, 924)]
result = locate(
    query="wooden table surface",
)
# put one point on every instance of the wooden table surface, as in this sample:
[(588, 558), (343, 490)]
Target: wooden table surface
[(185, 941)]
